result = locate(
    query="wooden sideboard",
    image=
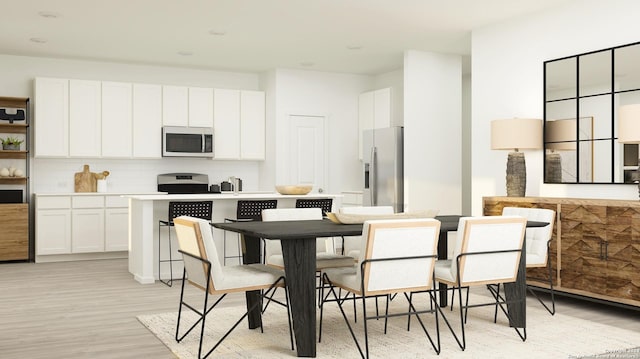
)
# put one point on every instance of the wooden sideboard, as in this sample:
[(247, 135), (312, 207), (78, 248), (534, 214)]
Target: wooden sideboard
[(595, 249)]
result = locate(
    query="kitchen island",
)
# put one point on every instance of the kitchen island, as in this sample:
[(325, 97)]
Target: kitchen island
[(146, 210)]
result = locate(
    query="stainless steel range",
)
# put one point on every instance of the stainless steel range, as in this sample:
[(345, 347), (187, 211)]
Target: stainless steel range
[(183, 183)]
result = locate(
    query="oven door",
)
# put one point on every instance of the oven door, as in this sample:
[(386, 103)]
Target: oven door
[(187, 142)]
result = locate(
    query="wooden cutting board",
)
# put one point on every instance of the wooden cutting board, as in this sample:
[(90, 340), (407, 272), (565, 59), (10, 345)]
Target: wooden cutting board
[(85, 181)]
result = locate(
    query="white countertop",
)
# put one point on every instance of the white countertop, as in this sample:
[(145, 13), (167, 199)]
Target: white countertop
[(225, 195), (98, 194)]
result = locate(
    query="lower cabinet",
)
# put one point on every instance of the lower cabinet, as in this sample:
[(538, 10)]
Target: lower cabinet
[(76, 224), (595, 248), (14, 237)]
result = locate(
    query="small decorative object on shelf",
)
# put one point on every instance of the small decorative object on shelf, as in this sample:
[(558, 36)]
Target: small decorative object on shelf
[(12, 114), (11, 143)]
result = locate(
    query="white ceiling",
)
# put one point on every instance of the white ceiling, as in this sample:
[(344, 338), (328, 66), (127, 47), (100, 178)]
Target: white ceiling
[(258, 34)]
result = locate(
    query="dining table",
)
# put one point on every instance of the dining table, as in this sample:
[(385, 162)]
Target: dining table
[(298, 241)]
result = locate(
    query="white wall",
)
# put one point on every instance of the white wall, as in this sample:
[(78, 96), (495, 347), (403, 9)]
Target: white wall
[(507, 70), (332, 95), (433, 131), (56, 175)]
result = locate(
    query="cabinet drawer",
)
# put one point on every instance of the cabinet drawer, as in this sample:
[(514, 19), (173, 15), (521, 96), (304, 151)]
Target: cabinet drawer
[(53, 202), (116, 201), (88, 202)]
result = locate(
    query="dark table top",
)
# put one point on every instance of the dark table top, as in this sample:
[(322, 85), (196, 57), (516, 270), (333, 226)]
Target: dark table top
[(324, 228)]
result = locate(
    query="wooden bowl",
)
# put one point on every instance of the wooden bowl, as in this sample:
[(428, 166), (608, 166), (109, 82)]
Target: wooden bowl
[(294, 189)]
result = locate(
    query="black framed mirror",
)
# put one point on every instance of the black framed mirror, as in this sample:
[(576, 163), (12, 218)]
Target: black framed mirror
[(582, 94)]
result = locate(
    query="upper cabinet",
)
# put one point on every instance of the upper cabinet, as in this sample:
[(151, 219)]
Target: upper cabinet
[(94, 119), (116, 119), (51, 117), (200, 107), (85, 112), (374, 111), (239, 124), (147, 121)]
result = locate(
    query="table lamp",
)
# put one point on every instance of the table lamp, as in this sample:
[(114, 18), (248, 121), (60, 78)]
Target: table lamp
[(516, 134), (629, 128), (559, 135)]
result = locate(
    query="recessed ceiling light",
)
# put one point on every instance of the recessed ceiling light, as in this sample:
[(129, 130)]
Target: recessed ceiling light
[(49, 14), (185, 53), (307, 64), (217, 32), (38, 40), (354, 47)]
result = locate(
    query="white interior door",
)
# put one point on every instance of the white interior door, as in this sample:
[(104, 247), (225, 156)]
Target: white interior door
[(307, 155)]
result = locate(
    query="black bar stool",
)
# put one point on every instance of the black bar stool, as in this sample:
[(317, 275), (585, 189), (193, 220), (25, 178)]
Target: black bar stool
[(200, 209), (247, 210)]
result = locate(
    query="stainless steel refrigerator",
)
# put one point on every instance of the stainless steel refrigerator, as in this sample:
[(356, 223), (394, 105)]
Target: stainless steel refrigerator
[(382, 154)]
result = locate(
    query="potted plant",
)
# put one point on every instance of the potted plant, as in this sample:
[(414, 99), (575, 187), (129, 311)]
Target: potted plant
[(11, 143)]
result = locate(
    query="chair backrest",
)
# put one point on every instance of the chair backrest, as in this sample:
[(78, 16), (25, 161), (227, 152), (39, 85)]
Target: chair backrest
[(488, 234), (398, 238), (536, 239), (326, 204), (272, 247), (195, 237), (252, 209), (197, 209), (367, 210)]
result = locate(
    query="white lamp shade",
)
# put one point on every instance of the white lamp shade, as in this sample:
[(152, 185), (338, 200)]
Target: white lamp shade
[(629, 124), (517, 133), (560, 135)]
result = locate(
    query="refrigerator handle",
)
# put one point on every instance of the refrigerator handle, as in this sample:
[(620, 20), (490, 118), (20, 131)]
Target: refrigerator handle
[(373, 181)]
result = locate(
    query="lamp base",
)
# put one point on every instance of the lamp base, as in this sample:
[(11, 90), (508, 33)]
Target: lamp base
[(516, 175), (553, 173)]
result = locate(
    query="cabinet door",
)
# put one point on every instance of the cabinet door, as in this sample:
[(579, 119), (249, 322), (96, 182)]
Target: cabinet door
[(14, 237), (200, 107), (116, 119), (53, 231), (382, 108), (116, 229), (252, 126), (175, 106), (52, 117), (621, 253), (365, 117), (147, 121), (85, 100), (583, 238), (226, 123), (87, 230)]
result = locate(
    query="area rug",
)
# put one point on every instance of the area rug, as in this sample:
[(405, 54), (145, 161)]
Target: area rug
[(549, 336)]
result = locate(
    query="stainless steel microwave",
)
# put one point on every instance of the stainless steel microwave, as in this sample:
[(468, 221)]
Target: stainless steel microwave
[(187, 141)]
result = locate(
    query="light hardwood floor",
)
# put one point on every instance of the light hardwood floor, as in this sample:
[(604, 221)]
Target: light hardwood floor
[(88, 309)]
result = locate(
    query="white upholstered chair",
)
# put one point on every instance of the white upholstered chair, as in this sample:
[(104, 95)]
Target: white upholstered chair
[(537, 242), (325, 255), (202, 268), (397, 256), (351, 245), (487, 251)]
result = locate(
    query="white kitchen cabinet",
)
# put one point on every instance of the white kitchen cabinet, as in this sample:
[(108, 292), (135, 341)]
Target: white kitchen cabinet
[(52, 117), (200, 107), (85, 113), (77, 225), (175, 106), (226, 120), (116, 120), (53, 231), (374, 111), (147, 121), (53, 225), (252, 125), (87, 230), (116, 224), (239, 124)]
